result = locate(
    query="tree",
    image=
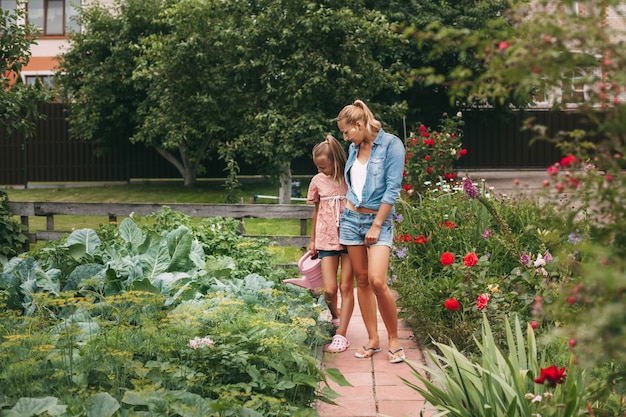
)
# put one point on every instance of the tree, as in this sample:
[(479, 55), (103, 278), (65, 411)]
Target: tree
[(18, 101), (300, 63), (424, 56), (188, 77)]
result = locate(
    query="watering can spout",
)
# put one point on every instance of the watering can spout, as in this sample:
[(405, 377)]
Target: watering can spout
[(300, 282)]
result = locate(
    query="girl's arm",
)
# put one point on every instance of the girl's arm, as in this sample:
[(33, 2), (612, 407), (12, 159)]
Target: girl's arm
[(311, 246)]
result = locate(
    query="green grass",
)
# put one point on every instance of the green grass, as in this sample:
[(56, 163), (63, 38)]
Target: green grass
[(205, 192)]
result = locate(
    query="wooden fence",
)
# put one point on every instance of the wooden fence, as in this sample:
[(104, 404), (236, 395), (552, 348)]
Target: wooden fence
[(111, 211)]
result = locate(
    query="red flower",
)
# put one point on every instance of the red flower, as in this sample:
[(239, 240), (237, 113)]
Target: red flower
[(447, 258), (482, 301), (551, 376), (470, 259), (429, 170), (422, 128), (569, 160), (462, 153), (427, 158), (404, 238), (449, 225), (406, 187), (451, 304), (421, 239)]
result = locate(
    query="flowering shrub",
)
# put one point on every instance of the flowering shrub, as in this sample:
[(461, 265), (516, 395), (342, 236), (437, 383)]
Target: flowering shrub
[(431, 155)]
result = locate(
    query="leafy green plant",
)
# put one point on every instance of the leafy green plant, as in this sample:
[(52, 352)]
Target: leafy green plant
[(12, 238), (431, 156), (509, 382), (484, 261), (112, 316)]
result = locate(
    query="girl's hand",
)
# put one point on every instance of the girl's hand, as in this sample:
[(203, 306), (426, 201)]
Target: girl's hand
[(311, 248)]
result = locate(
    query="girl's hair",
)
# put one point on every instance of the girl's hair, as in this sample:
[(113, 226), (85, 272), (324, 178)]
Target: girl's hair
[(336, 155), (358, 111)]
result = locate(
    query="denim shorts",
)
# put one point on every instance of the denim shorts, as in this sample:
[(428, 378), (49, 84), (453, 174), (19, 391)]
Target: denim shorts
[(324, 253), (353, 226)]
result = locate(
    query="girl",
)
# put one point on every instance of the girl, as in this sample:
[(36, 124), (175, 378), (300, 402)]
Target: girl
[(328, 192)]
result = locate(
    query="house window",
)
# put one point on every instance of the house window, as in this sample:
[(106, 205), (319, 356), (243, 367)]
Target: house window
[(43, 79), (54, 17)]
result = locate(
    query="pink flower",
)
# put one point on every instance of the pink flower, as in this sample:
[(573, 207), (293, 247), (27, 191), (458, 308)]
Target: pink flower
[(482, 301)]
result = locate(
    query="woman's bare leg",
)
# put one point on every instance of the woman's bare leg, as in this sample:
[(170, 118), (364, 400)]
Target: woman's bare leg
[(377, 270)]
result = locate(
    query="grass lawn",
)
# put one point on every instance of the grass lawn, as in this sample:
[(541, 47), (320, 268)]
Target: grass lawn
[(208, 192)]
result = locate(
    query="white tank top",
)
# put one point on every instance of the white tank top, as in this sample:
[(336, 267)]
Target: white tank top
[(358, 172)]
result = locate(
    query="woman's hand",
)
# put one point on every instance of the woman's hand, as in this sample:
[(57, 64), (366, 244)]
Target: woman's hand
[(371, 237)]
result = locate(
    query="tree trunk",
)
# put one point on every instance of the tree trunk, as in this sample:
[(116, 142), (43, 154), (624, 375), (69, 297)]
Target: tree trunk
[(284, 193)]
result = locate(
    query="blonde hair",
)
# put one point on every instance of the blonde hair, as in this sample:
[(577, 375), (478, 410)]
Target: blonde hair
[(336, 155), (358, 111)]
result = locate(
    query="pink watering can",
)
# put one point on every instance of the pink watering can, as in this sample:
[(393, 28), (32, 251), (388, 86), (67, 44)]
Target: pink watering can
[(311, 270)]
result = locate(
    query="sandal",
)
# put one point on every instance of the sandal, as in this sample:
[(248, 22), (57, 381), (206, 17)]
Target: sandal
[(367, 352), (396, 356), (338, 345)]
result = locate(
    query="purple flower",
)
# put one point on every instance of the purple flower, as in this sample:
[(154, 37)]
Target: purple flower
[(469, 188), (398, 217), (524, 259), (487, 234), (547, 257), (574, 238), (401, 253)]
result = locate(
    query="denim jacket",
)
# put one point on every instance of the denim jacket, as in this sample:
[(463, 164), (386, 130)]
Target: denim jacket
[(384, 172)]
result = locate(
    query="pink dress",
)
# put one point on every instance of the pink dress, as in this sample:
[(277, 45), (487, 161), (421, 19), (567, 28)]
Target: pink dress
[(331, 197)]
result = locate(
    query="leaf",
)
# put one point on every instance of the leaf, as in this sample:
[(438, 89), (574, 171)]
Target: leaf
[(86, 238), (27, 407), (179, 245), (131, 233), (155, 261), (336, 376), (102, 405), (81, 273)]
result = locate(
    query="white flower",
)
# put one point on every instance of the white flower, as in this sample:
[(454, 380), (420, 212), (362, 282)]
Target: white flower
[(540, 261), (537, 399), (200, 343), (459, 114)]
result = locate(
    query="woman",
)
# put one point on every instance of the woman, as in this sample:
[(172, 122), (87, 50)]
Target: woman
[(374, 176)]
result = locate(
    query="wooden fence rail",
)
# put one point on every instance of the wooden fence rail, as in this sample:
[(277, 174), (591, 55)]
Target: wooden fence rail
[(113, 210)]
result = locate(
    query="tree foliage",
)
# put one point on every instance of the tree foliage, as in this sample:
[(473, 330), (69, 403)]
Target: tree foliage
[(266, 78), (18, 101)]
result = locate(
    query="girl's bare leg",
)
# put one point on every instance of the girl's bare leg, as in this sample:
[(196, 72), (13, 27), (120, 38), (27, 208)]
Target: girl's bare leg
[(329, 277), (346, 287)]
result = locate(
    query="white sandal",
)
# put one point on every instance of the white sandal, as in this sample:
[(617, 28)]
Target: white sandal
[(338, 345)]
